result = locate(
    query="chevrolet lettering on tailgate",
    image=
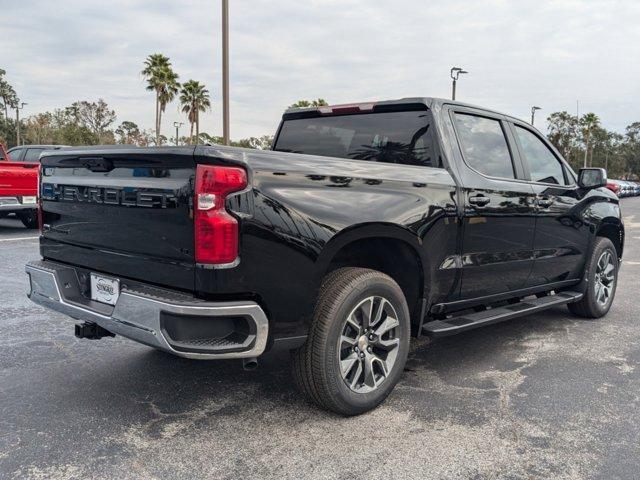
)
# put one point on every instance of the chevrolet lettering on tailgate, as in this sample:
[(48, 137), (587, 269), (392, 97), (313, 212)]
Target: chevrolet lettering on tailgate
[(128, 197)]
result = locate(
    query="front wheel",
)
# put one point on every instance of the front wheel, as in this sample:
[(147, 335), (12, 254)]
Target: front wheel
[(358, 342), (29, 218), (601, 275)]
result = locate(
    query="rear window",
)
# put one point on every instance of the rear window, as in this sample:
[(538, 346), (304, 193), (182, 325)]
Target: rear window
[(32, 155), (391, 137)]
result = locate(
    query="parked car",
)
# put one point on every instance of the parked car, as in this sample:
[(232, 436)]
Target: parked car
[(631, 188), (30, 153), (613, 186), (622, 186), (366, 224), (18, 189)]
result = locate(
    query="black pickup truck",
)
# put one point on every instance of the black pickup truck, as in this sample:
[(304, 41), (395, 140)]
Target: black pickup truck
[(364, 225)]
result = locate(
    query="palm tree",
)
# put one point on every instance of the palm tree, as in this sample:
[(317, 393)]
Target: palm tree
[(162, 80), (589, 121), (194, 98)]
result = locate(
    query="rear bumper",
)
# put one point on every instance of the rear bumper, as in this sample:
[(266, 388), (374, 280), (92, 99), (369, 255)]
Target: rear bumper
[(147, 315), (13, 204)]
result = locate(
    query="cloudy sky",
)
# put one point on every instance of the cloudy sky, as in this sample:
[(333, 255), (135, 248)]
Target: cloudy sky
[(519, 53)]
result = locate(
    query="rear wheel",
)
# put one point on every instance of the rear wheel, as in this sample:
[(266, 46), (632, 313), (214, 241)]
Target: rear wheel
[(601, 275), (358, 342), (29, 218)]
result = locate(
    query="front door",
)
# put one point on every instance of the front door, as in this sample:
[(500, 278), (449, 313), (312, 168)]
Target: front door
[(561, 240), (499, 213)]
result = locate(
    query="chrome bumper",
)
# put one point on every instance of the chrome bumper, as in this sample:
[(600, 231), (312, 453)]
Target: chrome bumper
[(12, 204), (137, 313)]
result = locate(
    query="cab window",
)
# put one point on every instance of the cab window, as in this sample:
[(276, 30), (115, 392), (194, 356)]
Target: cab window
[(484, 145), (544, 167)]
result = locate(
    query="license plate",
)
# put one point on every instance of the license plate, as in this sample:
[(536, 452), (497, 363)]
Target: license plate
[(28, 200), (104, 289)]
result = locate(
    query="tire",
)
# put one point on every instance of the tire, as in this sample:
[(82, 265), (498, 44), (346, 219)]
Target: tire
[(346, 295), (29, 218), (598, 283)]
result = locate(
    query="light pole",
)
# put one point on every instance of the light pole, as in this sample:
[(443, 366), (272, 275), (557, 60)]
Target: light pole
[(177, 125), (455, 73), (533, 113), (19, 106), (225, 71)]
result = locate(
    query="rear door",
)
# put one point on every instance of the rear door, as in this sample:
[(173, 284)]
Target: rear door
[(499, 212), (562, 237), (125, 212)]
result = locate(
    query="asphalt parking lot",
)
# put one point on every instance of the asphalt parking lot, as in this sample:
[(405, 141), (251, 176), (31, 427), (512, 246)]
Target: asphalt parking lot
[(546, 396)]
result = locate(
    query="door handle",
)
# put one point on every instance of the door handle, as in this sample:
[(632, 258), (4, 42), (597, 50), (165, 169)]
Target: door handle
[(545, 202), (479, 200)]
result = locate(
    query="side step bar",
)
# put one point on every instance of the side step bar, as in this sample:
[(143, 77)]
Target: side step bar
[(453, 325)]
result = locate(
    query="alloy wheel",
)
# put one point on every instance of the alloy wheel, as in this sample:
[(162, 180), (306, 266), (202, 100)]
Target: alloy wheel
[(369, 344), (605, 278)]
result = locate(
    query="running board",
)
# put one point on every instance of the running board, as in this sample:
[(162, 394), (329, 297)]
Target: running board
[(453, 325)]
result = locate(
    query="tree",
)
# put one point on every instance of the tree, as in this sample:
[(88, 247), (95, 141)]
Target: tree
[(194, 98), (128, 133), (162, 80), (95, 117), (40, 128), (563, 132), (589, 121), (320, 102), (7, 94), (631, 150)]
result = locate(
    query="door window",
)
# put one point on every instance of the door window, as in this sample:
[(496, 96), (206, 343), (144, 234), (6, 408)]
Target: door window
[(32, 155), (484, 145), (544, 167)]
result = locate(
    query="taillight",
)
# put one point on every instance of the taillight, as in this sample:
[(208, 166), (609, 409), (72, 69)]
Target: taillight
[(216, 231)]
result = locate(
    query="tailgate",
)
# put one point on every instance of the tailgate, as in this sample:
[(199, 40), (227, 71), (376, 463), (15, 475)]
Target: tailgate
[(127, 212), (18, 179)]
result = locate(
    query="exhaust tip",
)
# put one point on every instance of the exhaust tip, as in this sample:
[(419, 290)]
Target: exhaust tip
[(249, 364)]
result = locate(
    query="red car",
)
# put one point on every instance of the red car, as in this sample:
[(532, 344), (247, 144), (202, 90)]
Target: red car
[(18, 189), (614, 187)]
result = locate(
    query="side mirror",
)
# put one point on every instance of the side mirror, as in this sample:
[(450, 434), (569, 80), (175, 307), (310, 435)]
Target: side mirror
[(592, 177)]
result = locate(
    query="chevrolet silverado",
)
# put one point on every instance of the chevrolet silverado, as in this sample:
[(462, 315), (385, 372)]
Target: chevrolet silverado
[(364, 225)]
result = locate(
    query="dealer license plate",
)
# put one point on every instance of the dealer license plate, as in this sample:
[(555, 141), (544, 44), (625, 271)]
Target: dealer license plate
[(104, 289)]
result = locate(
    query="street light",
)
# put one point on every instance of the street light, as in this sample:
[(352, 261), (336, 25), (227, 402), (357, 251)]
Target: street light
[(177, 125), (455, 73), (225, 71), (533, 113), (18, 108)]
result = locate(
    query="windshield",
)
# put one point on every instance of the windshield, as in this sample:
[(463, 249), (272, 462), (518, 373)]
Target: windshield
[(392, 137)]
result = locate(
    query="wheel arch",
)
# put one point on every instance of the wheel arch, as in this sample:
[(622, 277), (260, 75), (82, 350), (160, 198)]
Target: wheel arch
[(613, 229), (387, 248)]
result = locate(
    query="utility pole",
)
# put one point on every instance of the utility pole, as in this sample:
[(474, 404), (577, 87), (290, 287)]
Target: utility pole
[(177, 125), (533, 114), (19, 106), (455, 73), (225, 71)]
